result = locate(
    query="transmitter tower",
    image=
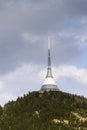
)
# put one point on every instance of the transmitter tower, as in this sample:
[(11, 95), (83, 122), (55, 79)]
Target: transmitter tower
[(49, 83)]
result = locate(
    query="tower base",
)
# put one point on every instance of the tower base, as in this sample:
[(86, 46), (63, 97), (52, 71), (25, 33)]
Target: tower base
[(49, 88)]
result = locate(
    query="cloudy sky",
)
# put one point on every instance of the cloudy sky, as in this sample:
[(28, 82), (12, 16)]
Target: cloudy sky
[(24, 28)]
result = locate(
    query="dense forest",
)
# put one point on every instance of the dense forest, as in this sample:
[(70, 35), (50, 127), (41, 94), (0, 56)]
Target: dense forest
[(45, 111)]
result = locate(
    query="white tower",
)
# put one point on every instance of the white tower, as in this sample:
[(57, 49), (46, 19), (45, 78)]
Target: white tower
[(49, 83)]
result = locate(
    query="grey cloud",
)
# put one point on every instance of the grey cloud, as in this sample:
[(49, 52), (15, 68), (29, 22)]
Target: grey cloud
[(66, 51), (77, 8), (14, 52), (39, 18), (70, 85)]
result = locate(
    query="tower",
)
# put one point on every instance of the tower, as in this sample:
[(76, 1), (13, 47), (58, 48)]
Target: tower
[(49, 83)]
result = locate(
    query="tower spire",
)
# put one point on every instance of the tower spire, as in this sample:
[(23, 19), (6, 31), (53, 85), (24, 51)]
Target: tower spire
[(49, 73), (49, 43)]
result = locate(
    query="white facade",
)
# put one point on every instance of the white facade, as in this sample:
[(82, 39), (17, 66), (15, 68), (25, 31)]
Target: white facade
[(49, 81)]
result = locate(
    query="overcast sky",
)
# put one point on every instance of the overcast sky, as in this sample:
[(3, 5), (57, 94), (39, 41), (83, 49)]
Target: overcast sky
[(24, 28)]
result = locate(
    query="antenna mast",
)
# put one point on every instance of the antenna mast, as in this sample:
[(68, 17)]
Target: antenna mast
[(49, 73)]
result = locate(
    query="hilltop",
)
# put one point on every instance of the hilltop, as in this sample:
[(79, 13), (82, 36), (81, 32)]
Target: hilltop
[(45, 111)]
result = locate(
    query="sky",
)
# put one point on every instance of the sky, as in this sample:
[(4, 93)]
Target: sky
[(24, 29)]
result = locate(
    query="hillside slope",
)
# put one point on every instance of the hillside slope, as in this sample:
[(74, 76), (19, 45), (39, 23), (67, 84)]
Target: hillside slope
[(45, 111)]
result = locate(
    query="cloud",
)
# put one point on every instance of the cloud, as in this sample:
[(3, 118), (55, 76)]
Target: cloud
[(32, 38), (69, 71), (1, 85), (39, 17), (29, 77), (72, 79), (24, 28), (31, 22), (26, 47), (79, 75), (23, 75), (5, 97), (19, 82)]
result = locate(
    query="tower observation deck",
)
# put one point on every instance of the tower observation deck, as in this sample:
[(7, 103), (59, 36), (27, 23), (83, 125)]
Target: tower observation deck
[(49, 83)]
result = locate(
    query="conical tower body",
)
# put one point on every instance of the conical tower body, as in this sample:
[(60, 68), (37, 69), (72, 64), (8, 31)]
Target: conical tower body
[(49, 83)]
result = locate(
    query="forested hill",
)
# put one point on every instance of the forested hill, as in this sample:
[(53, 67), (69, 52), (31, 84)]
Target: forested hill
[(45, 111)]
